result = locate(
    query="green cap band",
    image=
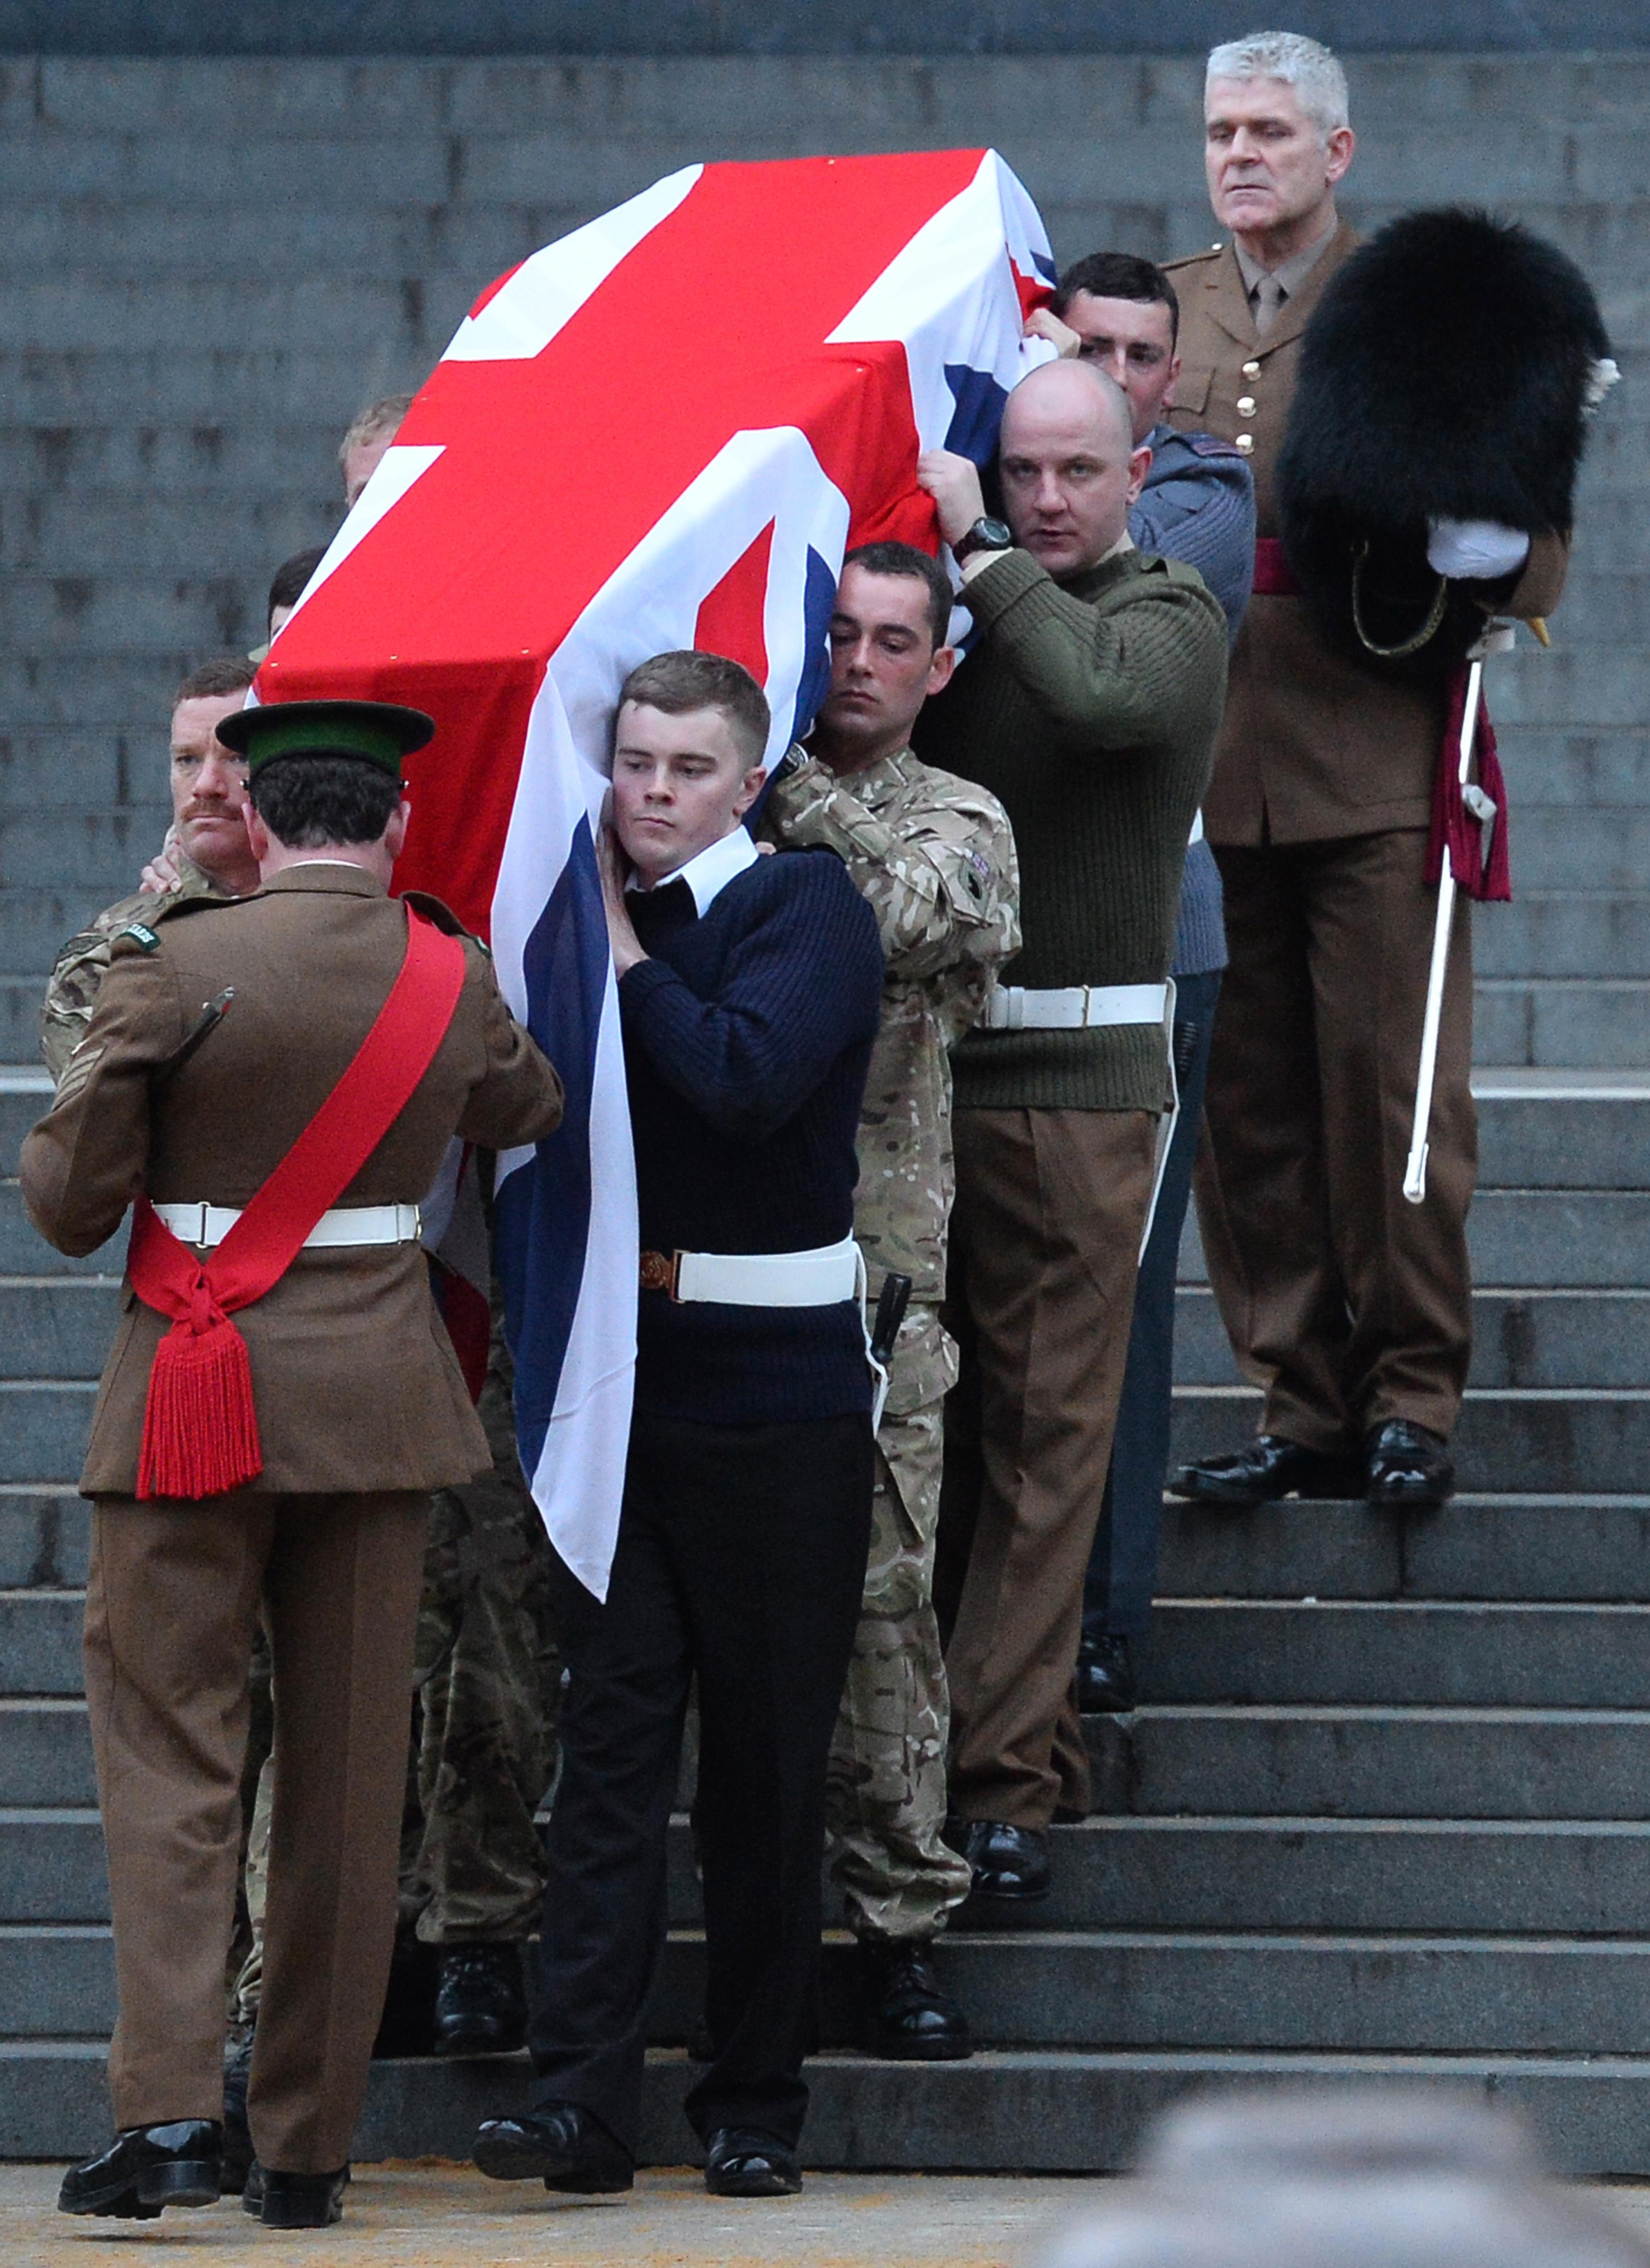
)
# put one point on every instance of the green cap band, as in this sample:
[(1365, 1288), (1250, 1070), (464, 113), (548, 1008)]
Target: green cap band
[(343, 736)]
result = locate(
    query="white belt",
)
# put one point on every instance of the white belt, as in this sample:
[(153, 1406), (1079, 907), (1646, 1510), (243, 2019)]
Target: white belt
[(1073, 1007), (204, 1225), (820, 1278)]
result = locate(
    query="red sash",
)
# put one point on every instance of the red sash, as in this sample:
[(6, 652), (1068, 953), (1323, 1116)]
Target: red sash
[(200, 1424)]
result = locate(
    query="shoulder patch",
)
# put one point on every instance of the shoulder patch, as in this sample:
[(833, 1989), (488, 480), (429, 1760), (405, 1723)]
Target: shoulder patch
[(141, 935)]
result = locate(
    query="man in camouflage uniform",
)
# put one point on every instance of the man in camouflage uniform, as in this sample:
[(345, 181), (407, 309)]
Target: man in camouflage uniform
[(935, 858), (211, 858)]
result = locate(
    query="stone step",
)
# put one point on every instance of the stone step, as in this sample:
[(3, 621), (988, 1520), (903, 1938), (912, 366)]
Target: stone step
[(85, 852), (56, 1328), (1566, 1441), (1295, 1761), (1429, 1653), (24, 1252), (1577, 690), (1520, 1338), (1574, 771), (52, 1867), (48, 1759), (1507, 1548), (1569, 1020), (1592, 1239), (1563, 933), (1590, 848), (1028, 2111), (44, 1537)]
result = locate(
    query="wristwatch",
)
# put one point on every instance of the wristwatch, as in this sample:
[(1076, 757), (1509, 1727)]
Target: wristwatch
[(984, 536)]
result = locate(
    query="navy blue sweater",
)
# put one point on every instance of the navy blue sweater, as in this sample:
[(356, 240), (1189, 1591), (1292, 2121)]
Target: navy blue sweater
[(746, 1040)]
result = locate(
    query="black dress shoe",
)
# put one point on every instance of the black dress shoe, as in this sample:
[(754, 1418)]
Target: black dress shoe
[(741, 2161), (1409, 1466), (146, 2168), (237, 2151), (1269, 1468), (564, 2145), (1010, 1863), (480, 2008), (913, 2019), (294, 2200), (1105, 1676)]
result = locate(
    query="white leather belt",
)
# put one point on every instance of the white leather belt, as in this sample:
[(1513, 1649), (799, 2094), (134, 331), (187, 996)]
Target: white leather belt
[(820, 1279), (204, 1225), (1073, 1007)]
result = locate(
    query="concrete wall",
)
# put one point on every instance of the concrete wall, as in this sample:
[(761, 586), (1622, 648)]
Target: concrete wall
[(584, 28)]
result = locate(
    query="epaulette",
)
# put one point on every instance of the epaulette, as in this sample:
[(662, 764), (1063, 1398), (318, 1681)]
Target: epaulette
[(143, 936), (1211, 444), (1194, 259), (444, 918)]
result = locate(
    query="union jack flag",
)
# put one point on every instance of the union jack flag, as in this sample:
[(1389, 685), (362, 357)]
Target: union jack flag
[(663, 430)]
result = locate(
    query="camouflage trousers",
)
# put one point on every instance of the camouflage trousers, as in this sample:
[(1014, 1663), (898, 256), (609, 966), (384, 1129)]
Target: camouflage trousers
[(487, 1689), (885, 1783)]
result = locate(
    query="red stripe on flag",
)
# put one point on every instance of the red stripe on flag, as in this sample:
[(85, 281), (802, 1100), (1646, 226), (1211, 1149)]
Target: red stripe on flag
[(731, 618)]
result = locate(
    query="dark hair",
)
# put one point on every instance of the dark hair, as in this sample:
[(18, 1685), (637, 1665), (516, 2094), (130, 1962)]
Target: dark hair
[(680, 683), (215, 679), (292, 578), (1119, 275), (906, 559), (308, 800)]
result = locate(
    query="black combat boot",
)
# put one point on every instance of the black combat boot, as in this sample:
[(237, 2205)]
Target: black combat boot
[(480, 2008)]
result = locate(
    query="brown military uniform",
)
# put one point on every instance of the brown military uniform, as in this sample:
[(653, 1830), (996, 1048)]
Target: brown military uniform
[(362, 1411), (934, 856), (1349, 1306)]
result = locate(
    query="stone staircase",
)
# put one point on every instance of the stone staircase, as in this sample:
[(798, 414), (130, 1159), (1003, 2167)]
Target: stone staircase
[(1384, 1812)]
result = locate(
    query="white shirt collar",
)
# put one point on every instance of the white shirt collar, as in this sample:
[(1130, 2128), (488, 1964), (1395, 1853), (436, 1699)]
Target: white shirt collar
[(709, 874)]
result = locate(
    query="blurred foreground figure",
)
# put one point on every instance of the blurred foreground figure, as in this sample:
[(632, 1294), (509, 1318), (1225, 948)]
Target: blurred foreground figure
[(1362, 2180)]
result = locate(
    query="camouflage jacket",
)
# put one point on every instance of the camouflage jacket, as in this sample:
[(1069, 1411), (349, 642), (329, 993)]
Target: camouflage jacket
[(71, 991), (935, 856)]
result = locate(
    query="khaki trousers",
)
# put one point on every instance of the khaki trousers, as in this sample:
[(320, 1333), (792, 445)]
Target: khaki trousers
[(1347, 1305), (171, 1599), (1045, 1242)]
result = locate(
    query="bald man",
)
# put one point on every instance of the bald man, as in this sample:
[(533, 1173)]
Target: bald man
[(1089, 708)]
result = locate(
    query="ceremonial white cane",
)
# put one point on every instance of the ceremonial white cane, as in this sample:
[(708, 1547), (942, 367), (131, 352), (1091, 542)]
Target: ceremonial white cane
[(1497, 639)]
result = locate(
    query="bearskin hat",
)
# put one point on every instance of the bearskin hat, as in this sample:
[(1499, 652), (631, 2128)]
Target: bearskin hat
[(1447, 373)]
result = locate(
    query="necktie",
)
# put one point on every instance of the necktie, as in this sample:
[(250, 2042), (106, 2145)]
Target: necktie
[(1269, 297)]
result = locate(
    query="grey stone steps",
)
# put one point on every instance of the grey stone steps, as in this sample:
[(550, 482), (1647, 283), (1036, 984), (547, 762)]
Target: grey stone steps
[(44, 1538), (51, 1327), (1579, 1238), (1293, 1760), (1591, 848), (1563, 933), (48, 1764), (52, 1867), (1574, 771), (86, 853), (24, 1252)]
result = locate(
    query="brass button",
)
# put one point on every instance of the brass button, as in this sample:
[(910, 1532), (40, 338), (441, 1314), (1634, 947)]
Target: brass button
[(1245, 405), (1251, 370), (1245, 441)]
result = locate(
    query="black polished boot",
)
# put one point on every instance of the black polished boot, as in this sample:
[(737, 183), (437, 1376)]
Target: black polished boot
[(1010, 1863), (911, 2017), (1265, 1472), (562, 2144), (741, 2161), (294, 2200), (146, 2168), (1105, 1674), (237, 2151), (480, 2008), (1409, 1467)]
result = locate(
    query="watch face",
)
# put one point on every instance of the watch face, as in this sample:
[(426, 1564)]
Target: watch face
[(995, 532)]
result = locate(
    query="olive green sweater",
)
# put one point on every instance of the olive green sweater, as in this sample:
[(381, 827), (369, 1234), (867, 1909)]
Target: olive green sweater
[(1089, 708)]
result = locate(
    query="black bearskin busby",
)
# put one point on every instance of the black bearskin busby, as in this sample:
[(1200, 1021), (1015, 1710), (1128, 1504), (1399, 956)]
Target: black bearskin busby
[(1448, 372)]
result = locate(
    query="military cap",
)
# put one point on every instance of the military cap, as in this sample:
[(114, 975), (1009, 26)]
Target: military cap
[(377, 732)]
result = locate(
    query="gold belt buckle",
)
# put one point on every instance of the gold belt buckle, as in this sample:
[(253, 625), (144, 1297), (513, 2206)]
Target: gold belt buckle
[(660, 1271)]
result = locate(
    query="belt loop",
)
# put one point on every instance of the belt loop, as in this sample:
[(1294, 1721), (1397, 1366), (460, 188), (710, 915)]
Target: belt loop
[(200, 1227)]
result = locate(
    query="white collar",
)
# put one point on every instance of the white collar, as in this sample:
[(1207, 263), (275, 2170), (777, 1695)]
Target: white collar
[(709, 874)]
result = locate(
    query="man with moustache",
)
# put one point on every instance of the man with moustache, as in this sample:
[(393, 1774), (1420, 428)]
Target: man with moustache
[(1089, 709), (1352, 1308), (210, 857)]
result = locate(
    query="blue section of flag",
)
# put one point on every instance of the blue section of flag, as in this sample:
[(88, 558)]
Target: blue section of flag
[(1045, 266), (543, 1210), (981, 402), (819, 596)]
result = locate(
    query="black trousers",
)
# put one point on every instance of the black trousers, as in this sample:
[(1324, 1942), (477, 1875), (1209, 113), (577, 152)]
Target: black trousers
[(740, 1560), (1123, 1566)]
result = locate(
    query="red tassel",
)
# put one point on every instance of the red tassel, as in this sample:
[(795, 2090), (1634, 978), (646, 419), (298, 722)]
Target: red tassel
[(200, 1424)]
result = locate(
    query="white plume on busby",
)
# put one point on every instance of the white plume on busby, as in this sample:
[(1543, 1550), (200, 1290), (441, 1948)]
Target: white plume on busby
[(1447, 373)]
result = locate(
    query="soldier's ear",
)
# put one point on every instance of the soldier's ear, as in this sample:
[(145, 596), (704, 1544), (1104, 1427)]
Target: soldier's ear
[(940, 671)]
